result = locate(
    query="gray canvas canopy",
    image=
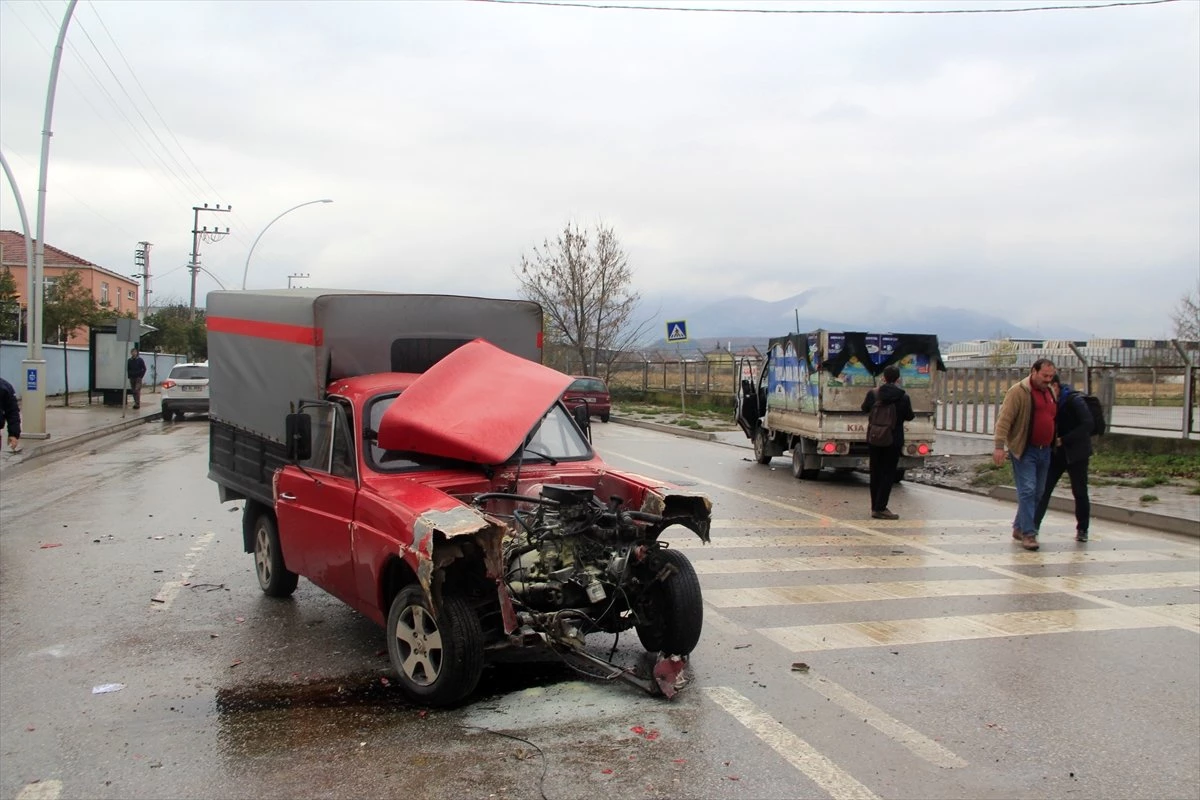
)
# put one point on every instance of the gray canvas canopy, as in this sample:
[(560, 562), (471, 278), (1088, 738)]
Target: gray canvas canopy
[(269, 349)]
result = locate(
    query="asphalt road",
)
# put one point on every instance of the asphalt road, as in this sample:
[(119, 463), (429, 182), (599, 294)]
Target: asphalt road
[(941, 661)]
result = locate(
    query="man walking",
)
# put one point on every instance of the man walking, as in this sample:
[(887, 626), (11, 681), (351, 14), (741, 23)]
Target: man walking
[(1025, 426), (1071, 452), (136, 369), (10, 414), (885, 457)]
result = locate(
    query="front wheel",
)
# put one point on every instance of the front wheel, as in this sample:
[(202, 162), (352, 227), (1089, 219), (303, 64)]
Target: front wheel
[(439, 658), (762, 446), (275, 579), (672, 611)]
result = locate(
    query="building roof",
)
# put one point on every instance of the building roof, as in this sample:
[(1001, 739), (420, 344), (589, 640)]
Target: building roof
[(12, 253)]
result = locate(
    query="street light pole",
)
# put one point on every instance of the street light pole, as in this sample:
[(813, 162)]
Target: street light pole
[(246, 271), (33, 395)]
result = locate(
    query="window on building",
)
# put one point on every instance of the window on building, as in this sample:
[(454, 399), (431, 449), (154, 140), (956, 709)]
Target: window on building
[(103, 293), (132, 295)]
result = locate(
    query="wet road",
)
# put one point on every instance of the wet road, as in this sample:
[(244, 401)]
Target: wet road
[(941, 660)]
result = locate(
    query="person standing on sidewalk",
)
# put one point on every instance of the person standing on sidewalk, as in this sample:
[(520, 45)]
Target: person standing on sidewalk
[(1025, 427), (1072, 449), (884, 459), (136, 369), (10, 414)]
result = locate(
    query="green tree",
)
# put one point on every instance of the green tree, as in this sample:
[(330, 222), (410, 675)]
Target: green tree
[(584, 284), (176, 333), (68, 306), (10, 307)]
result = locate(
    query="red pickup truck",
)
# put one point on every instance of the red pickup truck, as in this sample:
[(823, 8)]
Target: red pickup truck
[(451, 497)]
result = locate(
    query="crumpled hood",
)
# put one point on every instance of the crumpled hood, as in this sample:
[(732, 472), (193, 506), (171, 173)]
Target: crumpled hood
[(477, 404)]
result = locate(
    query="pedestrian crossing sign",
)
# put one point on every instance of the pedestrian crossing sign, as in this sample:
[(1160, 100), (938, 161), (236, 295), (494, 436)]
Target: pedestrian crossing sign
[(677, 331)]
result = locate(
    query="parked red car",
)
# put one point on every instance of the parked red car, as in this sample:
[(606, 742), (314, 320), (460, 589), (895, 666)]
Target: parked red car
[(592, 391)]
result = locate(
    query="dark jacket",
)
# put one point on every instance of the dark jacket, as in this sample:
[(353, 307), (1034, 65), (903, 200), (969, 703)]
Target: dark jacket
[(135, 368), (10, 412), (1073, 424), (891, 393)]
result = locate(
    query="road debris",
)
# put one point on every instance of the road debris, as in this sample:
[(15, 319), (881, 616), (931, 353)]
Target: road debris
[(107, 688)]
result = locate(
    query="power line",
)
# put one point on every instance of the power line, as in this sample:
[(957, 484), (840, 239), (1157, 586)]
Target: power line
[(739, 10)]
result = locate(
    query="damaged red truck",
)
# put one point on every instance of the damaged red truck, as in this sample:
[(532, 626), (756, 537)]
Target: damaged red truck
[(409, 455)]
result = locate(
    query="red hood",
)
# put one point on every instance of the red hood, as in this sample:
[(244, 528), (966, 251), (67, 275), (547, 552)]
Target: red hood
[(477, 404)]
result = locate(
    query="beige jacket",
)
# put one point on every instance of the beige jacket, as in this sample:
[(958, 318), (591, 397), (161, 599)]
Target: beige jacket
[(1016, 417)]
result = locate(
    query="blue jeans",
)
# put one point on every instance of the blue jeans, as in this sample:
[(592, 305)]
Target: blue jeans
[(1029, 473)]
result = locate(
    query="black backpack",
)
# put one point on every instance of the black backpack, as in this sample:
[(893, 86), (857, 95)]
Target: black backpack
[(1096, 409), (881, 423)]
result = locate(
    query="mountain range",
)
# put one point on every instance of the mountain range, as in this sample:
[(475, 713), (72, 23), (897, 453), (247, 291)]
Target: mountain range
[(745, 320)]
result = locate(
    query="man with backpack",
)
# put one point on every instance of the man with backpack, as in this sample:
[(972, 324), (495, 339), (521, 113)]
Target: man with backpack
[(1073, 427), (888, 407)]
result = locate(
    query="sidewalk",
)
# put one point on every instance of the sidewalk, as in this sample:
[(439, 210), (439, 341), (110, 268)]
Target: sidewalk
[(76, 424)]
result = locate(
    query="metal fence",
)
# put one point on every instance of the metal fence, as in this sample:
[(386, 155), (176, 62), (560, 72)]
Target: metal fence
[(1159, 398)]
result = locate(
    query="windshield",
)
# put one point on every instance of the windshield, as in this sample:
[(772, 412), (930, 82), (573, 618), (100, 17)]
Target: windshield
[(556, 437)]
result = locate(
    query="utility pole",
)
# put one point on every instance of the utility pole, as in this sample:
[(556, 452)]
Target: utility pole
[(297, 275), (141, 260), (215, 235)]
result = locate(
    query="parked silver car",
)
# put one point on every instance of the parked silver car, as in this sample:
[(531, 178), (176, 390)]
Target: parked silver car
[(184, 390)]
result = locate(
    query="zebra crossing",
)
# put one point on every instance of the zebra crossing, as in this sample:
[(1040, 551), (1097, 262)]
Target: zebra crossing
[(849, 564)]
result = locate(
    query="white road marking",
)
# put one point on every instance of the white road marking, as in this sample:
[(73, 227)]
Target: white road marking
[(166, 595), (800, 754), (878, 633), (718, 566), (1150, 615), (918, 743), (42, 790), (905, 590)]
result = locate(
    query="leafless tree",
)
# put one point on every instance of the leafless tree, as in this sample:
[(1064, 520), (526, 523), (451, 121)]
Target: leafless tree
[(585, 287), (1186, 315)]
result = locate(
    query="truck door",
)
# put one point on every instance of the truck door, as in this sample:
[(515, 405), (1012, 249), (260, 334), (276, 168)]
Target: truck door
[(749, 408), (315, 505)]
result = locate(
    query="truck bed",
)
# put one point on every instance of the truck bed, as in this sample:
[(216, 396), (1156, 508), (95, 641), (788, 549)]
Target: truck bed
[(243, 463)]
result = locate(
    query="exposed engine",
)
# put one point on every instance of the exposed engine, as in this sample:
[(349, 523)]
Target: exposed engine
[(576, 565)]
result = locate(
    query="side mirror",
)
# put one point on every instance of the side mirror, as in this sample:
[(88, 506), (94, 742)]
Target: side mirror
[(298, 431)]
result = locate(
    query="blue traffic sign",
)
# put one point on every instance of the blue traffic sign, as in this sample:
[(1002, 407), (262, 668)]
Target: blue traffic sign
[(677, 331), (31, 380)]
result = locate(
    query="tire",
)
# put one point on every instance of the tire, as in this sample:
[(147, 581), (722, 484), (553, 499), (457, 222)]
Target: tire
[(166, 413), (798, 469), (604, 417), (274, 578), (762, 446), (672, 610), (179, 416), (899, 476), (438, 659)]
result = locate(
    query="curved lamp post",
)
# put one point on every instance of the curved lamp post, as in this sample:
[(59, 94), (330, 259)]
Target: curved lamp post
[(246, 271)]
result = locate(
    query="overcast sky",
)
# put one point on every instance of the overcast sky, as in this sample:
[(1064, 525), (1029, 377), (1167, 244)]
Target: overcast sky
[(1032, 166)]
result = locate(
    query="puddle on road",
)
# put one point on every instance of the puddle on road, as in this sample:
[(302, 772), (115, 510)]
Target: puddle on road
[(270, 717)]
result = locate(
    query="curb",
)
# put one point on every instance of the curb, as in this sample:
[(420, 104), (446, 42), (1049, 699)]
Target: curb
[(1143, 519), (54, 446), (663, 428), (1131, 516)]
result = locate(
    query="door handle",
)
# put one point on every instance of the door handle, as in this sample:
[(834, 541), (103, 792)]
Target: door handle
[(287, 496)]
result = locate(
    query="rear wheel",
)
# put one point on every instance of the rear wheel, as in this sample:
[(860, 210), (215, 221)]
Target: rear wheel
[(275, 579), (762, 446), (438, 658), (798, 468), (604, 417), (672, 610), (166, 413)]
